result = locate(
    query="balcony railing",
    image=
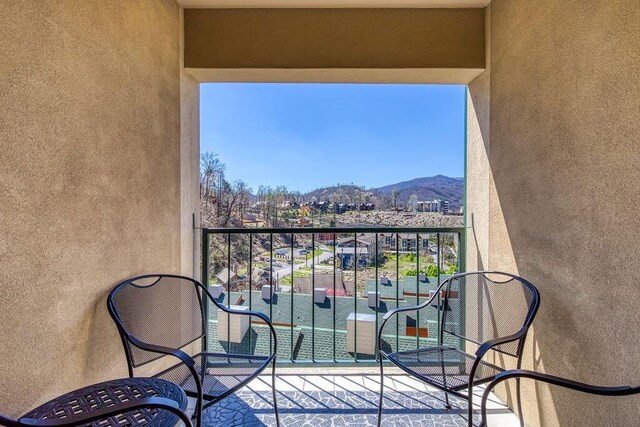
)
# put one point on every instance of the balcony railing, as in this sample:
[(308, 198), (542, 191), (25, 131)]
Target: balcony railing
[(326, 289)]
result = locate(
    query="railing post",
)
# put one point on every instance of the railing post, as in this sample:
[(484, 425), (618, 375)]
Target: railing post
[(250, 272), (355, 296), (313, 303), (378, 299), (228, 291), (205, 282), (291, 292), (271, 286), (397, 290), (333, 305)]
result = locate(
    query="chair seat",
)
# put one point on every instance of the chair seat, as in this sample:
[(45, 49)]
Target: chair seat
[(445, 367), (221, 373)]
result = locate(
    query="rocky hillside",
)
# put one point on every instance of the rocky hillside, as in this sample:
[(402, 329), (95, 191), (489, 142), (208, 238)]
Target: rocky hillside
[(399, 219)]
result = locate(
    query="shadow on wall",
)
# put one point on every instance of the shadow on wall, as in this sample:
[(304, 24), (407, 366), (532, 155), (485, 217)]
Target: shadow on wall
[(551, 213)]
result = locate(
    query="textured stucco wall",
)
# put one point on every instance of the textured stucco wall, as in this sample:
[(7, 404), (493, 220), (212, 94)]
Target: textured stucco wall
[(89, 181), (334, 38), (478, 171), (189, 164), (563, 184)]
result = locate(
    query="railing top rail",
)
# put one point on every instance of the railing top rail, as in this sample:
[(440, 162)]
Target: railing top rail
[(336, 230)]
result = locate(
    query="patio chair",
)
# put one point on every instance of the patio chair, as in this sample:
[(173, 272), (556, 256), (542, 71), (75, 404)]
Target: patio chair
[(132, 402), (557, 381), (158, 315), (483, 310)]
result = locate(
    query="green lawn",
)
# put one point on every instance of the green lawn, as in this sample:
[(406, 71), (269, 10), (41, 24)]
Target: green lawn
[(315, 253)]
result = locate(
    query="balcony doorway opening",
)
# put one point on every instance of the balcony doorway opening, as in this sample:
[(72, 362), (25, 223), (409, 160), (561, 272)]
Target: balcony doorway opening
[(324, 206)]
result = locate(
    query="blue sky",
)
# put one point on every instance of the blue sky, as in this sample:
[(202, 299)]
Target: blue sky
[(306, 136)]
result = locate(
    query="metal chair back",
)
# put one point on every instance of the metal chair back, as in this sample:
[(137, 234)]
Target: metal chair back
[(484, 306), (160, 309)]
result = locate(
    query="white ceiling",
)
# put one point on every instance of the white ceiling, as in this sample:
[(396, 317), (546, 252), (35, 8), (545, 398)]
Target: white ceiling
[(332, 3)]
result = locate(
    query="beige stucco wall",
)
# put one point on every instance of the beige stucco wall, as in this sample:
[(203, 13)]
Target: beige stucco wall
[(90, 181), (563, 202), (333, 39), (189, 164)]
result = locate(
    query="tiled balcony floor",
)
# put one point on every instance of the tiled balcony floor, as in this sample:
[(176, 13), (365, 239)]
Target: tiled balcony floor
[(345, 397)]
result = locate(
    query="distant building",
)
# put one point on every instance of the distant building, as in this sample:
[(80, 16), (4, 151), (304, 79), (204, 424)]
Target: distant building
[(435, 205), (407, 242), (365, 250)]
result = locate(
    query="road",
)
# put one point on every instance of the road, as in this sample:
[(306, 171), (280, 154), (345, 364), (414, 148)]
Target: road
[(286, 270)]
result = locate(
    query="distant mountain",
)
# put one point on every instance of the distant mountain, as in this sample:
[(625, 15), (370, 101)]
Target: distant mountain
[(426, 188), (325, 193)]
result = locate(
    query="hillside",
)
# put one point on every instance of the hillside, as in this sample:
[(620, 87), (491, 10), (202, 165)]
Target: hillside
[(425, 188)]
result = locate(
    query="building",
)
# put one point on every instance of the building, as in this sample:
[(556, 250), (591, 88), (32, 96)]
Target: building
[(435, 205), (407, 242), (364, 247)]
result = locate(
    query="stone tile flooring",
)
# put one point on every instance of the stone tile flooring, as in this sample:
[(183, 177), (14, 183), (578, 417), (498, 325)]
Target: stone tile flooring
[(327, 397)]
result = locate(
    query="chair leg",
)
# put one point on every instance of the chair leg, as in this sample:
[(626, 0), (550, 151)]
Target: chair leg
[(446, 400), (273, 388), (381, 393), (198, 414), (520, 414), (470, 402)]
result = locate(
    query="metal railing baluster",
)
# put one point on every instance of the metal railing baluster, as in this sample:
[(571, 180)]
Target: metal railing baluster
[(397, 291), (250, 272), (417, 290), (355, 296), (378, 299), (270, 287), (313, 304), (333, 305), (205, 281), (228, 292), (439, 298), (291, 292)]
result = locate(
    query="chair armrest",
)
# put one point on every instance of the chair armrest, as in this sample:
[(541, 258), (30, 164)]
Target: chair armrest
[(395, 311), (120, 408), (184, 357), (485, 347), (422, 305), (554, 380)]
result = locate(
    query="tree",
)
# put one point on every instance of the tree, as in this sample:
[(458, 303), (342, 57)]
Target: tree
[(211, 178), (413, 202), (432, 271)]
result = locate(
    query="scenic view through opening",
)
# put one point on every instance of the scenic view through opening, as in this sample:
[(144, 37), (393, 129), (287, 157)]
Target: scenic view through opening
[(326, 205)]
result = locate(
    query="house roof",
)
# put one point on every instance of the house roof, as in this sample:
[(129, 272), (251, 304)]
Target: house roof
[(407, 284), (225, 274), (315, 322)]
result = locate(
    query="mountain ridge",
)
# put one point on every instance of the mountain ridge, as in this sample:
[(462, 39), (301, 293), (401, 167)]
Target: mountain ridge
[(424, 188)]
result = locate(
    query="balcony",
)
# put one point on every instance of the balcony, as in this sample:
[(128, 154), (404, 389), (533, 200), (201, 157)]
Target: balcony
[(326, 290), (99, 182)]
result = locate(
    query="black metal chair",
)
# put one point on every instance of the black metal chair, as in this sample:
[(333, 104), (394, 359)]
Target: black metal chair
[(490, 310), (159, 314), (557, 381), (127, 402)]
